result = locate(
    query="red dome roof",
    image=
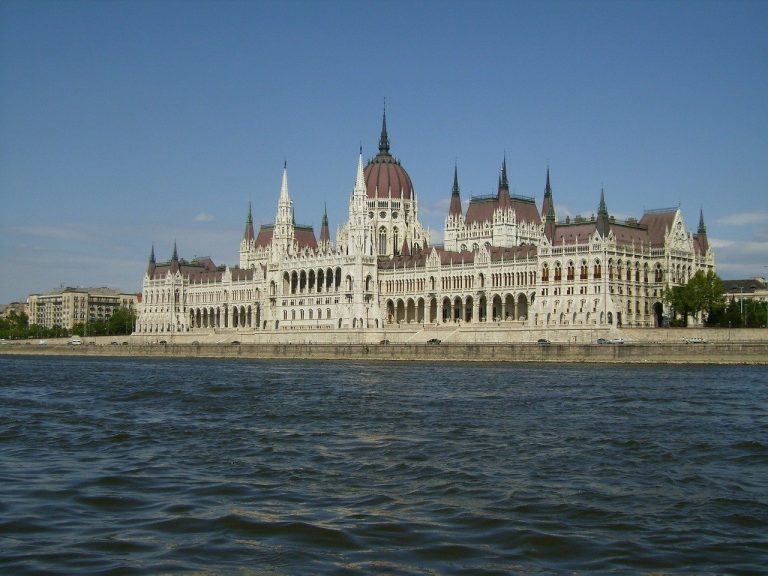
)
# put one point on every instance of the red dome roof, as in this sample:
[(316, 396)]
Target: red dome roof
[(384, 175)]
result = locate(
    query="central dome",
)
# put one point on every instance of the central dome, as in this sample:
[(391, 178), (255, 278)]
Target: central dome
[(384, 177)]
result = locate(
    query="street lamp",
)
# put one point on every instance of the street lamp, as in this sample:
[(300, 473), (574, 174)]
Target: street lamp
[(741, 302)]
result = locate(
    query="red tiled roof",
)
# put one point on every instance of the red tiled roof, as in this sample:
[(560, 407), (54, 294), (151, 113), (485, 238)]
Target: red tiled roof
[(626, 234), (481, 209), (658, 222), (304, 236), (573, 233), (264, 238), (513, 252)]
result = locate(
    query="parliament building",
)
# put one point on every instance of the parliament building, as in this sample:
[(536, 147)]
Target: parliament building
[(503, 261)]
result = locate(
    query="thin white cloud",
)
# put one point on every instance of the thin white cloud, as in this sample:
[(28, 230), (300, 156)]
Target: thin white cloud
[(718, 243), (204, 217), (743, 219), (52, 232)]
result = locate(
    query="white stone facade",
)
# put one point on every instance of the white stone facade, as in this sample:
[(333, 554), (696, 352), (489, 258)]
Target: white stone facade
[(501, 263)]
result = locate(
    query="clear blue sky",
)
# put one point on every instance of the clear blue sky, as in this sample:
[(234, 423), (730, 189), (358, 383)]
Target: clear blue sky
[(128, 124)]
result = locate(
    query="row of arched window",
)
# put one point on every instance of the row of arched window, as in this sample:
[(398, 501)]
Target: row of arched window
[(618, 271)]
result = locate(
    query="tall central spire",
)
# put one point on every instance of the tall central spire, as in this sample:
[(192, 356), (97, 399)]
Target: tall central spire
[(384, 140), (503, 194), (455, 207)]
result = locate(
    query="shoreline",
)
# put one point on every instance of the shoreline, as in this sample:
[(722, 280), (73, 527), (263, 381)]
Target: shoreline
[(571, 353)]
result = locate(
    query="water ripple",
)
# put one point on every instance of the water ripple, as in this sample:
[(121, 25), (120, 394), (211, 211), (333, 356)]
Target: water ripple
[(148, 466)]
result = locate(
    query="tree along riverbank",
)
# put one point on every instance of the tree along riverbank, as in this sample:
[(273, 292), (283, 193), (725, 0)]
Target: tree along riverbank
[(631, 353)]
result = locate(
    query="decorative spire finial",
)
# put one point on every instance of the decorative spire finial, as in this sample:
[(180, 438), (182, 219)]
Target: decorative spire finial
[(456, 178), (384, 139), (455, 207), (504, 182)]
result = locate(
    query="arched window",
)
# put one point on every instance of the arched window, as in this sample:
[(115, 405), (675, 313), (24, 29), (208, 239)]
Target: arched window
[(382, 240), (395, 241)]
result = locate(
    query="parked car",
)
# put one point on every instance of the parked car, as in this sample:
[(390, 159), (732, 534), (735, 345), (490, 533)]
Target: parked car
[(543, 341), (75, 342), (602, 341), (434, 341), (616, 341), (385, 341), (695, 340)]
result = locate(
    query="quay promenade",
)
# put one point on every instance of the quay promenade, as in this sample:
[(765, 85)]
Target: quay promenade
[(634, 346)]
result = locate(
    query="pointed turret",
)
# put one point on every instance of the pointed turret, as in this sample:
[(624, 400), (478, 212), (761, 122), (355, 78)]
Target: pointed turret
[(406, 249), (548, 210), (384, 139), (175, 259), (283, 234), (702, 233), (603, 222), (151, 266), (358, 232), (547, 204), (455, 208), (284, 185), (249, 235), (360, 178), (503, 196), (325, 236)]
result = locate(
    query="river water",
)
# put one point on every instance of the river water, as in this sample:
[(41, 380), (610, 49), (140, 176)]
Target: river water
[(146, 466)]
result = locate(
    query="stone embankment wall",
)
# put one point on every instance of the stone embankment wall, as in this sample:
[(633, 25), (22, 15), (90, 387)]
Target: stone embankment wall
[(633, 353)]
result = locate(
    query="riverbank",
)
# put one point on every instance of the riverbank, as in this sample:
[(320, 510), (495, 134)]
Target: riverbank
[(629, 353)]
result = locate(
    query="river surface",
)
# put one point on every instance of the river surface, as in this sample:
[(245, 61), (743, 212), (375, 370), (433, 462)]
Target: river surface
[(147, 466)]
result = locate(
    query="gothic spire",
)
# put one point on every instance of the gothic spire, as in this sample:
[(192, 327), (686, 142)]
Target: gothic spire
[(384, 139), (249, 235), (504, 183), (325, 236), (455, 208), (702, 233), (175, 259), (548, 210), (602, 208), (360, 178), (503, 195), (284, 185), (603, 222), (548, 207), (151, 265)]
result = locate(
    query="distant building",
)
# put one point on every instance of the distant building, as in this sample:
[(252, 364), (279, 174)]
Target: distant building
[(750, 289), (71, 306), (18, 308), (503, 261)]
